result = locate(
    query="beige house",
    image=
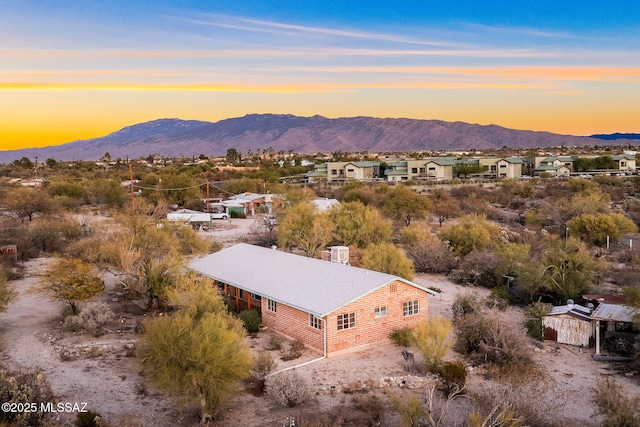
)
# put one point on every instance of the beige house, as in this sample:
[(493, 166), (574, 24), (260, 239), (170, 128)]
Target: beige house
[(352, 171), (626, 162), (440, 169), (326, 305), (509, 167)]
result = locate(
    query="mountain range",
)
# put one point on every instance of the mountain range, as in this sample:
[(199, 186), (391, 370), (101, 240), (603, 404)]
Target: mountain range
[(175, 137)]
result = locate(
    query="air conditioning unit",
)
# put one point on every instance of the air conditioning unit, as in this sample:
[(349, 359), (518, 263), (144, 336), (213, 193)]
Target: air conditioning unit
[(340, 254)]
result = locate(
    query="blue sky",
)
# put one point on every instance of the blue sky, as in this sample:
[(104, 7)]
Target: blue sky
[(72, 70)]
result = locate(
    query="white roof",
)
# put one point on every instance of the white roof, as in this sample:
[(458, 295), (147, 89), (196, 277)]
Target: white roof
[(308, 284), (322, 205)]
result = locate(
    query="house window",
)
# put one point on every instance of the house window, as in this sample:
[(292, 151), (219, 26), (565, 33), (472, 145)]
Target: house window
[(256, 296), (271, 305), (410, 308), (350, 170), (380, 311), (315, 322), (503, 166), (623, 164), (240, 293), (414, 170), (334, 172), (346, 321), (393, 287)]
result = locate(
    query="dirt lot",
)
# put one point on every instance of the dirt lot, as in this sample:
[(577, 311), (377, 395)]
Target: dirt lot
[(103, 372)]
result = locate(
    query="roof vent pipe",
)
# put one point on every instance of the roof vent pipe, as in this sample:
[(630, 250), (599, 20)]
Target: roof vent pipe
[(570, 302)]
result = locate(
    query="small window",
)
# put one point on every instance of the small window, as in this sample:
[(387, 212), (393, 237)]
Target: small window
[(256, 296), (393, 287), (380, 312), (410, 308), (350, 170), (271, 305), (432, 168), (240, 293), (503, 166), (414, 170), (315, 322), (346, 321), (334, 172)]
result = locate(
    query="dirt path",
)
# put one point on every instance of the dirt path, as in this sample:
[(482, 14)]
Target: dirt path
[(30, 340)]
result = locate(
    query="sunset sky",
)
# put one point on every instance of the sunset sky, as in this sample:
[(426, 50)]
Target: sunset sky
[(74, 69)]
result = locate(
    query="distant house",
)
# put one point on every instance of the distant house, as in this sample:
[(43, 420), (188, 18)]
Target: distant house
[(554, 165), (328, 306), (625, 162), (440, 168), (253, 203), (509, 167), (361, 171)]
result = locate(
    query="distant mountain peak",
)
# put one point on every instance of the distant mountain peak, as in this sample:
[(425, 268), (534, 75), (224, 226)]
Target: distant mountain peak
[(173, 137)]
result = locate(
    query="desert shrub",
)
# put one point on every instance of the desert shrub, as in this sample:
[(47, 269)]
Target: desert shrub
[(26, 388), (454, 376), (498, 416), (251, 320), (533, 316), (486, 338), (477, 269), (432, 339), (236, 214), (431, 255), (498, 298), (618, 408), (294, 351), (412, 411), (372, 406), (88, 419), (263, 365), (275, 341), (464, 304), (402, 336), (288, 388), (92, 319)]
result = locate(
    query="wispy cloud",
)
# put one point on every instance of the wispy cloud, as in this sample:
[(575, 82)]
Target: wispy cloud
[(280, 28)]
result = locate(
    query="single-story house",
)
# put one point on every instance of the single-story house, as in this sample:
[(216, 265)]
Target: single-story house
[(569, 324), (328, 306), (254, 203)]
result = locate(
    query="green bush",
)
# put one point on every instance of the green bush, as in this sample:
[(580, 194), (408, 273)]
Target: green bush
[(403, 337), (533, 316), (234, 214), (454, 376), (251, 320)]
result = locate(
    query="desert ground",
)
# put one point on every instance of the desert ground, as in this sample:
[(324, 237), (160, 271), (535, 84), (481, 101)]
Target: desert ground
[(104, 373)]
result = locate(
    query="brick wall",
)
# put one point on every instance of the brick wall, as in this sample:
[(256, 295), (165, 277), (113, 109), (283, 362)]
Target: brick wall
[(368, 329), (294, 323)]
